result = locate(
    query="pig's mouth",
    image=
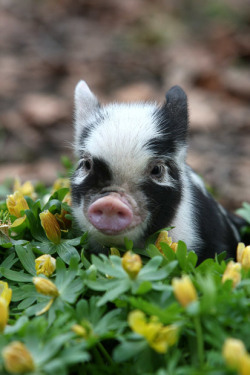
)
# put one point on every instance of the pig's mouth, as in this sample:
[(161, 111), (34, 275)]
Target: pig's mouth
[(114, 214)]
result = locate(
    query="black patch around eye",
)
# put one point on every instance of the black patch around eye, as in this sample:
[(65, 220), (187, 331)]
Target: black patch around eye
[(99, 177), (173, 170), (157, 170), (162, 203)]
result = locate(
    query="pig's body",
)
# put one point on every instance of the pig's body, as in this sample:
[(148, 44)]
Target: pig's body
[(132, 178)]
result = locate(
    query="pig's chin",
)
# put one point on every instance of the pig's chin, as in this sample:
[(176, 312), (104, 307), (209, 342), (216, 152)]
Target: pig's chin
[(115, 238), (112, 232)]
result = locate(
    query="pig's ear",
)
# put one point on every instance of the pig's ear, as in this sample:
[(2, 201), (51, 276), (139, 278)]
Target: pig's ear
[(176, 99), (175, 112), (86, 104)]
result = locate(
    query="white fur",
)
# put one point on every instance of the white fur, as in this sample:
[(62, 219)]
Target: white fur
[(185, 219)]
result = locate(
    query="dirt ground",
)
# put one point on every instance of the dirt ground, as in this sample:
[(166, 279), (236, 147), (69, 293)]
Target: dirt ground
[(126, 50)]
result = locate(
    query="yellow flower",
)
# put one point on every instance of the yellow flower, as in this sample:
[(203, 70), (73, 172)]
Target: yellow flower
[(163, 237), (243, 255), (4, 314), (26, 189), (233, 350), (16, 203), (158, 336), (5, 292), (45, 286), (184, 290), (244, 366), (45, 264), (61, 183), (166, 336), (17, 358), (132, 264), (67, 199), (51, 226), (232, 272), (79, 330)]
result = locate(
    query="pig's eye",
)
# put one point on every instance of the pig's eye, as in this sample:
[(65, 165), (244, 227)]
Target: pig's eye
[(157, 171), (87, 165)]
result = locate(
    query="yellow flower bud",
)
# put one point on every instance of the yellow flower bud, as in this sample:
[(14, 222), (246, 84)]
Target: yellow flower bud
[(239, 252), (17, 358), (184, 290), (46, 308), (132, 264), (16, 203), (79, 330), (163, 237), (61, 183), (4, 314), (137, 321), (233, 350), (158, 336), (5, 292), (45, 286), (26, 189), (244, 366), (166, 336), (114, 251), (67, 199), (45, 264), (232, 272), (51, 226), (243, 255)]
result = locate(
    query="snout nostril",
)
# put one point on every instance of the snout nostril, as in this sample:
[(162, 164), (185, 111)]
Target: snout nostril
[(99, 212), (120, 214)]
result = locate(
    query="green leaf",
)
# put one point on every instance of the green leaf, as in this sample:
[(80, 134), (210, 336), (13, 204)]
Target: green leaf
[(181, 254), (27, 302), (9, 261), (53, 205), (192, 258), (15, 276), (128, 244), (66, 252), (114, 293), (27, 258), (10, 330), (244, 211), (168, 252), (153, 251), (35, 226), (58, 195), (129, 349), (144, 287), (106, 267)]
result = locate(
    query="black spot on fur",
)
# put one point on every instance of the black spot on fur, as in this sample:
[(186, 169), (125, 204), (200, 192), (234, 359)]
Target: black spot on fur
[(99, 177), (162, 203), (172, 123), (214, 227)]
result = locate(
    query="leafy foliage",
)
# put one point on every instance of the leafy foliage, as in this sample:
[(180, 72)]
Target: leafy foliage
[(86, 328)]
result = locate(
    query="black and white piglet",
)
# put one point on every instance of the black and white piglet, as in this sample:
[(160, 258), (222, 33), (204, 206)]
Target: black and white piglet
[(132, 178)]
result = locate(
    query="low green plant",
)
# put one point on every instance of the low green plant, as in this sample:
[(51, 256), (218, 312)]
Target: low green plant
[(76, 313)]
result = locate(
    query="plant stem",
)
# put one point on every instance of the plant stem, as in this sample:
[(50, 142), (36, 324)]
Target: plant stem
[(105, 353), (200, 344)]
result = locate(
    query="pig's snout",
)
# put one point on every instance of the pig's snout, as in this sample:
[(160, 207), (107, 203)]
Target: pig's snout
[(110, 214)]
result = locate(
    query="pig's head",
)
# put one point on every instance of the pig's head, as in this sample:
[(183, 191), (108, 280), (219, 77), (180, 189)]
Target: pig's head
[(128, 182)]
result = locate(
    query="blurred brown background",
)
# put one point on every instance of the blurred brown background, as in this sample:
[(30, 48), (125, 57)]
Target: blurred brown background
[(126, 50)]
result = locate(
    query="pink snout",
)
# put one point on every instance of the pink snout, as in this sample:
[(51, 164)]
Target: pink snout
[(110, 214)]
